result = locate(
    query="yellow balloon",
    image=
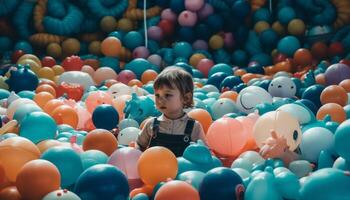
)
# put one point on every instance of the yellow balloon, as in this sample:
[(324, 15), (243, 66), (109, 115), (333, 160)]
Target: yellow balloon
[(278, 27), (70, 46), (260, 26), (30, 57), (216, 42), (46, 72), (125, 24), (195, 58), (95, 47), (54, 50), (58, 69), (108, 24), (296, 27)]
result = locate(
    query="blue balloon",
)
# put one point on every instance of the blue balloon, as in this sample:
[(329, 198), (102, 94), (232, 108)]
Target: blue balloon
[(184, 66), (215, 22), (241, 8), (177, 6), (105, 116), (341, 142), (24, 46), (182, 49), (67, 161), (132, 40), (239, 58), (102, 181), (262, 58), (217, 78), (285, 15), (288, 45), (220, 67), (221, 183), (93, 157), (229, 82), (186, 34), (313, 93), (26, 94), (268, 38), (22, 79), (262, 14)]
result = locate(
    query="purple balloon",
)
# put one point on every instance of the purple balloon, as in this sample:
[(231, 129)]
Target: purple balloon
[(228, 40), (336, 73), (205, 11), (200, 44), (194, 5), (155, 33), (125, 76), (140, 52), (155, 59), (168, 14)]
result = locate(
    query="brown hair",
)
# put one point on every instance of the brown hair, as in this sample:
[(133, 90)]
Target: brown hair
[(176, 77)]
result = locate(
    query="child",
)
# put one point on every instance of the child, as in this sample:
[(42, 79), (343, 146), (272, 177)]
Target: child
[(174, 129)]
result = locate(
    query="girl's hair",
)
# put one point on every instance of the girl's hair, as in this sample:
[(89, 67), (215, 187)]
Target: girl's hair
[(176, 78)]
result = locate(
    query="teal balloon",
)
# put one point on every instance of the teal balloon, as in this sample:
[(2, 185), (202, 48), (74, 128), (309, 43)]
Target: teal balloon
[(239, 58), (182, 49), (193, 177), (197, 74), (242, 163), (285, 15), (125, 123), (93, 157), (262, 14), (262, 58), (301, 168), (269, 38), (140, 196), (288, 185), (262, 186), (220, 67), (199, 95), (4, 93), (347, 111), (23, 110), (132, 40), (288, 45), (214, 95), (38, 126), (64, 128), (138, 66), (67, 135), (341, 140), (341, 163), (325, 160), (26, 94), (68, 163), (326, 184)]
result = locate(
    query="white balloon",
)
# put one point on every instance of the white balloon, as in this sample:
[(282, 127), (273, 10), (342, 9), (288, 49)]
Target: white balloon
[(78, 77), (251, 96)]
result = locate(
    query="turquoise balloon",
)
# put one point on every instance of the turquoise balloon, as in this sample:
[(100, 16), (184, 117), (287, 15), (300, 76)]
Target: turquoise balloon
[(38, 126), (199, 95), (214, 95), (209, 101), (262, 186), (288, 45), (64, 128), (93, 157), (239, 58), (193, 177), (301, 168), (138, 66), (341, 163), (326, 184), (285, 15), (182, 49), (68, 163), (262, 58), (197, 74), (242, 163), (325, 160), (4, 93), (220, 67), (287, 184), (26, 94), (67, 135), (23, 110), (262, 14), (132, 40), (125, 123), (341, 140), (223, 106), (140, 196)]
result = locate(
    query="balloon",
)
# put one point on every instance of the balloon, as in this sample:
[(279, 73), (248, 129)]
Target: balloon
[(226, 136), (314, 140), (176, 189), (340, 143), (336, 112), (77, 77), (100, 139), (23, 110), (336, 73), (195, 178), (65, 115), (97, 98), (29, 127), (187, 18), (302, 57), (67, 161), (62, 194), (47, 144), (15, 152), (262, 186), (111, 46), (72, 63), (37, 178), (105, 116), (288, 185), (251, 96), (282, 87), (128, 135), (92, 183), (126, 160), (283, 123), (301, 168), (93, 157), (202, 116), (221, 183), (10, 193), (157, 164), (334, 94), (104, 73), (125, 123)]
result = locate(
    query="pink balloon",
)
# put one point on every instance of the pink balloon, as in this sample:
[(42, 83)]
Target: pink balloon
[(205, 11), (83, 116), (248, 124), (187, 18), (125, 76), (155, 33), (88, 69), (228, 40), (97, 98), (155, 59), (104, 73), (168, 14), (204, 65), (200, 45), (140, 52), (194, 5), (126, 160)]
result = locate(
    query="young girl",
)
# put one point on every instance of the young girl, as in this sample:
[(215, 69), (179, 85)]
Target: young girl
[(174, 129)]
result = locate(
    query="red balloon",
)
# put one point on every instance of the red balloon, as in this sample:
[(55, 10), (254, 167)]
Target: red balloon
[(72, 90), (72, 63), (167, 27), (336, 49), (16, 55), (345, 61), (279, 58), (48, 61)]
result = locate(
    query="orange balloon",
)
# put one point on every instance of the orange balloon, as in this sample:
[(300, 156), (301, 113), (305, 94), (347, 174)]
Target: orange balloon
[(248, 125), (336, 112), (104, 73), (157, 164), (111, 46), (38, 178), (49, 82), (239, 72), (15, 152), (174, 190), (334, 94), (100, 139), (195, 58), (51, 105), (10, 193), (46, 72), (2, 175), (136, 82), (42, 98), (202, 116), (230, 95), (148, 75), (249, 76), (302, 57), (320, 79), (319, 50), (58, 69), (46, 88), (46, 144), (345, 84), (65, 115)]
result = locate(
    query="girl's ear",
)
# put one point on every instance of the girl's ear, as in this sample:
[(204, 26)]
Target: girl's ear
[(188, 98)]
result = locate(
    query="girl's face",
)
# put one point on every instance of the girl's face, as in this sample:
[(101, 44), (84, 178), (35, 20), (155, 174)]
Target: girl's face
[(170, 102)]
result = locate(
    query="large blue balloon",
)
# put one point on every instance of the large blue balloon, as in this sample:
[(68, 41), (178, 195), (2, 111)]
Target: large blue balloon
[(341, 140), (313, 93), (102, 181), (221, 183), (288, 45), (105, 116)]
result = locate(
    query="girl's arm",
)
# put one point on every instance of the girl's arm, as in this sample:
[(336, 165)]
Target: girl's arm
[(144, 138)]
